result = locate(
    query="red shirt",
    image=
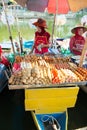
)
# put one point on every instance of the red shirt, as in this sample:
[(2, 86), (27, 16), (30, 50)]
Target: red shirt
[(5, 61), (41, 38), (77, 44), (0, 50), (16, 67)]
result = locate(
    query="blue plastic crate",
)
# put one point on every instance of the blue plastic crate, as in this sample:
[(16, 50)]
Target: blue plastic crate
[(28, 44), (44, 120)]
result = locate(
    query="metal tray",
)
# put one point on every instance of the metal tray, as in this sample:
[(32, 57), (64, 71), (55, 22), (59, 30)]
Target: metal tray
[(82, 83)]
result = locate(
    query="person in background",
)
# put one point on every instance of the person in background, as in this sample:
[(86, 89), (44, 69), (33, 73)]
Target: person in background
[(17, 64), (42, 37), (3, 59), (0, 51), (17, 48), (77, 41)]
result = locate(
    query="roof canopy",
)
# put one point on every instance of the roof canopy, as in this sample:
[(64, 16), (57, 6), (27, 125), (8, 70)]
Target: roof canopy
[(54, 6)]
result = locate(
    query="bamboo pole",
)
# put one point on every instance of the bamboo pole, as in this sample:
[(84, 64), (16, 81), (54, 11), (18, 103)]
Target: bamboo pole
[(53, 28), (19, 34), (56, 11), (10, 35), (83, 53), (21, 43), (6, 74)]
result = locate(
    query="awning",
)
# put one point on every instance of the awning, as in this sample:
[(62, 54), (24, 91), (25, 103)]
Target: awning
[(54, 6)]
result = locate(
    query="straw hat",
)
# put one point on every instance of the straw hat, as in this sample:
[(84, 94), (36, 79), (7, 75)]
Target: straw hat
[(79, 26), (40, 23)]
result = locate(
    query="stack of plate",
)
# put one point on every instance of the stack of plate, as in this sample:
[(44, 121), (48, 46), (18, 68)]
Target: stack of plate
[(76, 59)]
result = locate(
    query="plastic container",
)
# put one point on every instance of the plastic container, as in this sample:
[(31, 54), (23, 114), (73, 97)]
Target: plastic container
[(28, 44), (49, 121), (11, 58)]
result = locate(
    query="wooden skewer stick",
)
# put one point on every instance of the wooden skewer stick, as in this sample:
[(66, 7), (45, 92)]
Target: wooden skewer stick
[(6, 74), (83, 53), (10, 70), (11, 65)]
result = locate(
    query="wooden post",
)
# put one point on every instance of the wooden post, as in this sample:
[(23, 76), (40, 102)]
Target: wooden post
[(21, 44), (20, 38), (53, 28), (83, 53), (10, 37), (56, 11)]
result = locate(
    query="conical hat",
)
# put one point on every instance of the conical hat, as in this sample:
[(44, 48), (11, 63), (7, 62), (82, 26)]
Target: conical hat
[(79, 26)]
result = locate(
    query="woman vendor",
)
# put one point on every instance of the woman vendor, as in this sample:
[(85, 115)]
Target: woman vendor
[(41, 42), (77, 41)]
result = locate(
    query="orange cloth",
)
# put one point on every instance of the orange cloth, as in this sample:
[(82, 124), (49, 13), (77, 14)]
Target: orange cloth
[(63, 6), (58, 6), (76, 5)]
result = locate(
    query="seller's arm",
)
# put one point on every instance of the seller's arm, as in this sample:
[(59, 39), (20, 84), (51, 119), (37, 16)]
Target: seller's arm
[(47, 45), (72, 45), (44, 45)]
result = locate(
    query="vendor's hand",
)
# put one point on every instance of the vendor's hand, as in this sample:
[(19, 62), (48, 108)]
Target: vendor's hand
[(74, 48), (42, 45), (79, 50)]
